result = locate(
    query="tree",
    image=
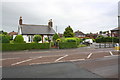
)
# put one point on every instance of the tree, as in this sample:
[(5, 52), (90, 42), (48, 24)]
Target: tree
[(19, 39), (55, 37), (37, 38), (100, 32), (68, 32), (4, 33)]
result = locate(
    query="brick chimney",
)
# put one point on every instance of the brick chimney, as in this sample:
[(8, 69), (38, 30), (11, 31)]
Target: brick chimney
[(20, 20), (50, 23)]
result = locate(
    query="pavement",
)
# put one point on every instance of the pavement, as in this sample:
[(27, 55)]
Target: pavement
[(83, 62)]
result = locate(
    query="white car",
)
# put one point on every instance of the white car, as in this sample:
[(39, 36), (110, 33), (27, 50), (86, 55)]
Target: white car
[(90, 41)]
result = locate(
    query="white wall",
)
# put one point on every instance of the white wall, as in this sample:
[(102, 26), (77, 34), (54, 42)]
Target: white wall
[(14, 36), (25, 38)]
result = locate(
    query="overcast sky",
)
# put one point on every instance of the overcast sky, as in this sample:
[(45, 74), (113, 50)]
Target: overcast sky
[(84, 15)]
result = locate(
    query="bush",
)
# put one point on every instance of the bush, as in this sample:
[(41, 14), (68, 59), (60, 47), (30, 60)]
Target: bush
[(24, 46), (19, 39), (37, 38), (107, 39), (85, 38), (64, 45), (4, 39), (46, 39), (52, 43), (81, 45), (55, 37), (72, 39)]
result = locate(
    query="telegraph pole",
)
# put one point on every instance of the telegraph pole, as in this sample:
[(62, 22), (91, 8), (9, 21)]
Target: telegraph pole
[(56, 29)]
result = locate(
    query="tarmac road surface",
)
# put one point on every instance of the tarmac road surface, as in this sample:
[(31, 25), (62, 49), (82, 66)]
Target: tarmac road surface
[(67, 63), (78, 69)]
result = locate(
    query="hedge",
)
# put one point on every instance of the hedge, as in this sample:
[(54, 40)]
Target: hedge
[(24, 46), (107, 39), (72, 39), (64, 45)]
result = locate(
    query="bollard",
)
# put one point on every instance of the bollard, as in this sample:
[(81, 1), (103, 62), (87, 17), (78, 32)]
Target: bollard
[(117, 47)]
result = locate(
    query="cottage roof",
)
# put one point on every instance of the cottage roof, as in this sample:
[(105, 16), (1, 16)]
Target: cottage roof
[(116, 29), (28, 29), (13, 33), (79, 32)]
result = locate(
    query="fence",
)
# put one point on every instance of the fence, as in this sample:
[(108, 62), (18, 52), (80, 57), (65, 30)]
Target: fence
[(105, 45)]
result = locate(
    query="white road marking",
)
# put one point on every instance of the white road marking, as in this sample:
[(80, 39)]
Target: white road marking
[(77, 60), (48, 56), (8, 58), (41, 63), (53, 62), (25, 61), (111, 56), (44, 63), (60, 58), (111, 53), (89, 55)]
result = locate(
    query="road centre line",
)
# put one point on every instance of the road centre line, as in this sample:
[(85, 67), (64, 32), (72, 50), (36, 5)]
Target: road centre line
[(44, 63), (77, 60), (25, 61), (60, 58), (111, 53), (40, 63), (48, 56), (89, 55), (111, 56)]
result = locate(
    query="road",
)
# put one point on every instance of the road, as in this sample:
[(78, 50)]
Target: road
[(65, 63)]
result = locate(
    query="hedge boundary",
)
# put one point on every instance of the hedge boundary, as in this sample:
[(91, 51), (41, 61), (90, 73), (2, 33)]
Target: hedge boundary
[(24, 46), (64, 45)]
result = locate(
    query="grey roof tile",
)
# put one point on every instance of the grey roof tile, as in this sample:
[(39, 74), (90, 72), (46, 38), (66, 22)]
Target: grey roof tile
[(37, 29)]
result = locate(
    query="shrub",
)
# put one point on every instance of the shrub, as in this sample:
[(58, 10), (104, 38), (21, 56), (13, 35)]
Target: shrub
[(107, 39), (37, 38), (81, 45), (4, 38), (94, 40), (46, 39), (72, 39), (115, 39), (24, 46), (64, 45), (55, 37), (85, 38), (19, 39), (52, 43)]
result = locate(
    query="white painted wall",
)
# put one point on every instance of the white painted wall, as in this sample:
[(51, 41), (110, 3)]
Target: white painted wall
[(19, 30), (25, 38), (14, 36)]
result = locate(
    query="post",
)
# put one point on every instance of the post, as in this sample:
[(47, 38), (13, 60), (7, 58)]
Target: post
[(42, 38), (99, 45), (105, 45)]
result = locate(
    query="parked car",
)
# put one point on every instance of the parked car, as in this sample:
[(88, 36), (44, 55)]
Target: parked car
[(89, 41)]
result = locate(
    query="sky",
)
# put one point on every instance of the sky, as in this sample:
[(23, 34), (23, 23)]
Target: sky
[(84, 15)]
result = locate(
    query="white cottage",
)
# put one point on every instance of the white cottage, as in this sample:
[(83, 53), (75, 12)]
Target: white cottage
[(29, 30)]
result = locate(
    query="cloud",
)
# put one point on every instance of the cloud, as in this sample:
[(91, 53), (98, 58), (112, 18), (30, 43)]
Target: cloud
[(85, 15)]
